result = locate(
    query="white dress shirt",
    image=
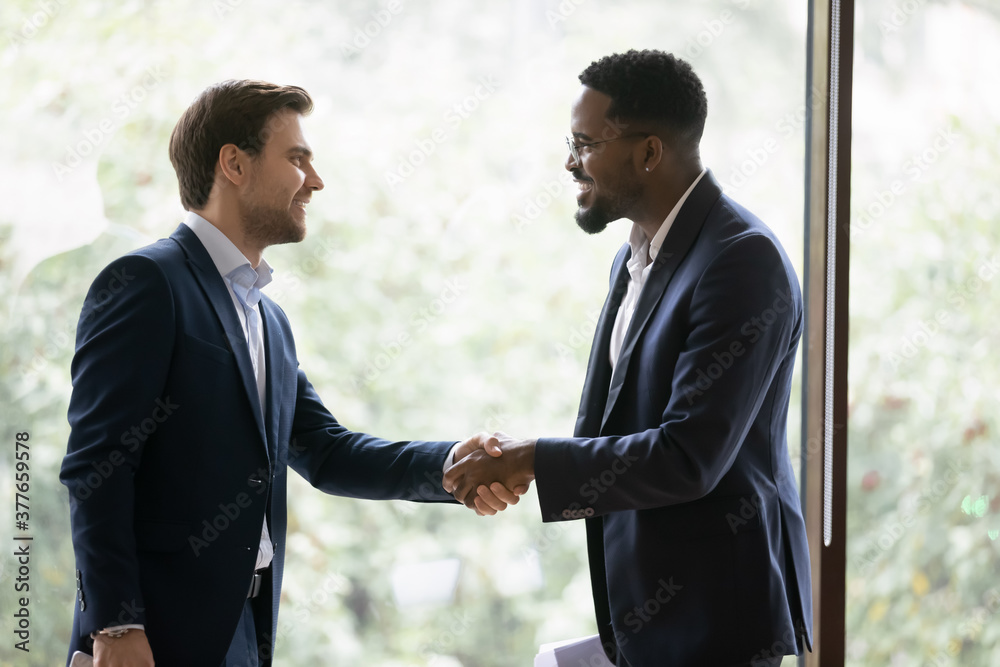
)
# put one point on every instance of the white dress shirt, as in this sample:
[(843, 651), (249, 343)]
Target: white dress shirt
[(639, 265)]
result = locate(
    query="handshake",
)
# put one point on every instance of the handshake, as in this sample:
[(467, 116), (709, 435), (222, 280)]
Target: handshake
[(490, 472)]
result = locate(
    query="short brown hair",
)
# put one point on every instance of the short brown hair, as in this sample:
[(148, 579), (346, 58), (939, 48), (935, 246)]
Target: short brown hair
[(231, 112)]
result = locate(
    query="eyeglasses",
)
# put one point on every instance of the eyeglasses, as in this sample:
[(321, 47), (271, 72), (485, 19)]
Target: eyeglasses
[(574, 149)]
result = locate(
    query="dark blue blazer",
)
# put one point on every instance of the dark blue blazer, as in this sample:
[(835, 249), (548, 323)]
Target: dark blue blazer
[(172, 465), (698, 552)]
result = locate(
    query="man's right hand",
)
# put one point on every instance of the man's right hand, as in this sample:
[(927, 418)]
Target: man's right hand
[(512, 465), (129, 650), (500, 497)]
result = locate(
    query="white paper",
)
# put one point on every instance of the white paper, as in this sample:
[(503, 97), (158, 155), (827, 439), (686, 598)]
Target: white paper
[(81, 659), (573, 653)]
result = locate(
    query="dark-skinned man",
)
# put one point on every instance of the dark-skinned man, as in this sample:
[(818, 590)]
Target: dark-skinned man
[(679, 463)]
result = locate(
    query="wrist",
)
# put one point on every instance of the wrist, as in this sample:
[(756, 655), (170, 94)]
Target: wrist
[(525, 461)]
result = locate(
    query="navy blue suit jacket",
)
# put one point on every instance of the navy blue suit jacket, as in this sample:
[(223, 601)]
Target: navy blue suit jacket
[(697, 545), (172, 465)]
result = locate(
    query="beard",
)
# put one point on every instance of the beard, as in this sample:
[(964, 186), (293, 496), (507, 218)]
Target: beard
[(606, 209), (266, 224)]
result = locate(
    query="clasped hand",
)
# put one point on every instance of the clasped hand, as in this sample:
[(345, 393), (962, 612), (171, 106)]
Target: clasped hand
[(491, 472)]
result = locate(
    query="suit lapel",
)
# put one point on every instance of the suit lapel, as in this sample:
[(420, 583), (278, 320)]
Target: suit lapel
[(595, 387), (215, 289), (275, 373), (675, 247)]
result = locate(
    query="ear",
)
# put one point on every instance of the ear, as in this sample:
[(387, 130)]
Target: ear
[(233, 165), (652, 150)]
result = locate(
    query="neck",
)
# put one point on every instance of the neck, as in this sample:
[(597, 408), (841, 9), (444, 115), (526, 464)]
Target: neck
[(663, 193), (227, 221)]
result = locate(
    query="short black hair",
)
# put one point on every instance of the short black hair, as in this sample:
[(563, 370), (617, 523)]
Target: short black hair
[(655, 87)]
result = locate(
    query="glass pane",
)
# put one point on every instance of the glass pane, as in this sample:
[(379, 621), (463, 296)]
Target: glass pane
[(443, 287), (924, 490)]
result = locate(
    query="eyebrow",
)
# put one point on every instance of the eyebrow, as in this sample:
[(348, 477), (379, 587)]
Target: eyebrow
[(581, 135)]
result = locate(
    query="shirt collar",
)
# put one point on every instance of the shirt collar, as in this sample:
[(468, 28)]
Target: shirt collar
[(225, 255), (637, 236)]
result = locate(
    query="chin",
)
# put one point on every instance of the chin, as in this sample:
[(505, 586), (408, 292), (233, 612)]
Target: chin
[(591, 220)]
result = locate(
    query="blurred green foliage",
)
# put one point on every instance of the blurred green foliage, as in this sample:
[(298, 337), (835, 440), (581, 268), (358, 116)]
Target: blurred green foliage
[(464, 298), (924, 466), (461, 299)]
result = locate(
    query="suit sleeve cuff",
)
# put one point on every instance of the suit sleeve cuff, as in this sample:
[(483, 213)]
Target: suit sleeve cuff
[(114, 628), (449, 460)]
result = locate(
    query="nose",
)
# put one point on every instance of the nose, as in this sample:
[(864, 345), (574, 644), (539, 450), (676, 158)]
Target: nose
[(313, 180), (571, 162)]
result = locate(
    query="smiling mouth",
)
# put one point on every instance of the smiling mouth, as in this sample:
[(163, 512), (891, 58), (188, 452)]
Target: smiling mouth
[(585, 187), (301, 203)]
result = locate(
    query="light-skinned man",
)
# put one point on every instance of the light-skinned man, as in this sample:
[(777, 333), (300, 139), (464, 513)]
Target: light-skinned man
[(189, 401)]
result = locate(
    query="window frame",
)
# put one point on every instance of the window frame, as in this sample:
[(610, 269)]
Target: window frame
[(830, 46)]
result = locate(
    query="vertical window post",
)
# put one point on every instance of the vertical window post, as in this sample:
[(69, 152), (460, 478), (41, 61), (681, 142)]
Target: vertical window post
[(827, 237)]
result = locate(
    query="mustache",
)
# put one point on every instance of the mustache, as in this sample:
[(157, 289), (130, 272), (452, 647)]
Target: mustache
[(578, 175)]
